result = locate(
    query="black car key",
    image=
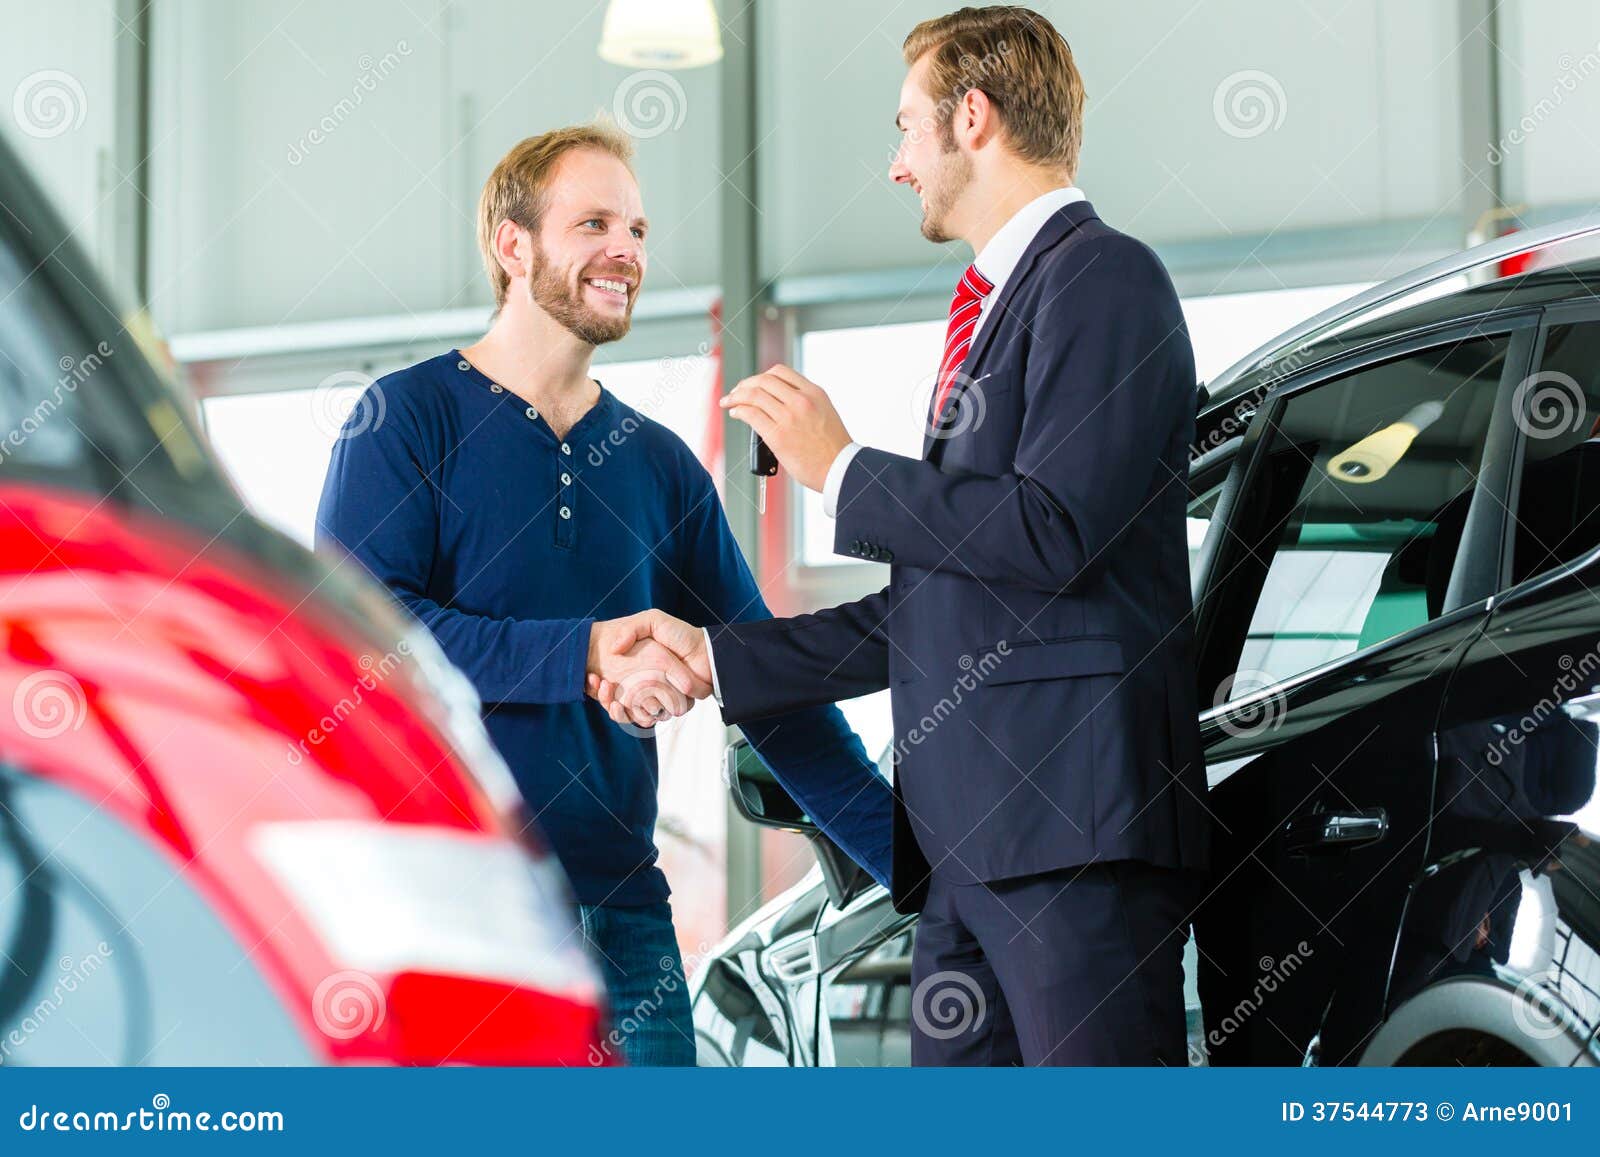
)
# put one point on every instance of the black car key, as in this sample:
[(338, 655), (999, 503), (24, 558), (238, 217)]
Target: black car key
[(763, 464)]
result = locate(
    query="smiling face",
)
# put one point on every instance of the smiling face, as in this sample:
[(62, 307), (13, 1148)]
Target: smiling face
[(589, 256), (928, 159)]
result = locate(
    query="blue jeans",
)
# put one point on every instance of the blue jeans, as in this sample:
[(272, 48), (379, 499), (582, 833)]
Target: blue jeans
[(637, 952)]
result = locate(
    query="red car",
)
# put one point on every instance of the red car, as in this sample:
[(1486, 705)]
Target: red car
[(248, 812)]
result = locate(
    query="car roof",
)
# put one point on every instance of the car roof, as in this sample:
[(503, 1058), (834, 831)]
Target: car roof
[(1452, 300)]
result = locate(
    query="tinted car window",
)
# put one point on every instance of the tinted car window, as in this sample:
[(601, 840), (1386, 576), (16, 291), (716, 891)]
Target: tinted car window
[(69, 411), (109, 957), (1342, 521), (1558, 411)]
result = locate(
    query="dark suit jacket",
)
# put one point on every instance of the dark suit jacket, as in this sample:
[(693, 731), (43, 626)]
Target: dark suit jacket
[(1036, 630)]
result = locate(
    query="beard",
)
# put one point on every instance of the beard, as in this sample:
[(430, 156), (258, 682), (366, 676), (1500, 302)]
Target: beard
[(549, 290), (942, 190)]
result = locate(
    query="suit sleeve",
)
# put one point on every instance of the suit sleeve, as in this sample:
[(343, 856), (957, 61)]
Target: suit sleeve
[(808, 746), (379, 504), (1107, 372), (821, 657)]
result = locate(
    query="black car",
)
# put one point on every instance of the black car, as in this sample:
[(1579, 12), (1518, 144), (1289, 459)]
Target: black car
[(1397, 602)]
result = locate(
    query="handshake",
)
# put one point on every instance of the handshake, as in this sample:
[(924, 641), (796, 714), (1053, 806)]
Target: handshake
[(647, 667)]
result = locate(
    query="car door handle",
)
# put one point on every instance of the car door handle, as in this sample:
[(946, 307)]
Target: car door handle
[(1335, 831)]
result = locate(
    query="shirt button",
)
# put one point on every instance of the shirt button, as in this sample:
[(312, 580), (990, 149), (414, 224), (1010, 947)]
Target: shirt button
[(532, 413), (463, 364), (497, 387), (566, 512), (566, 480), (565, 449)]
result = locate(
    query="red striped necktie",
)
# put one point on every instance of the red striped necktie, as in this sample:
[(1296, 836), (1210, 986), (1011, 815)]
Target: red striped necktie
[(965, 309)]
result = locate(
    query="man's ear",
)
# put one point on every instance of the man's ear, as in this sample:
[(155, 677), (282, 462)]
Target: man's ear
[(512, 247), (976, 115)]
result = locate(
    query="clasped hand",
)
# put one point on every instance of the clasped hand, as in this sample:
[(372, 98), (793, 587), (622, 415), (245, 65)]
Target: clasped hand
[(647, 667)]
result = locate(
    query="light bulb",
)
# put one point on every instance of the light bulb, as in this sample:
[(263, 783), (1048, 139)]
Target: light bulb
[(661, 34), (1375, 455)]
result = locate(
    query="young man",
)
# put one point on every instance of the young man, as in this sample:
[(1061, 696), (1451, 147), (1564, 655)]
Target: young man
[(477, 501), (1054, 832)]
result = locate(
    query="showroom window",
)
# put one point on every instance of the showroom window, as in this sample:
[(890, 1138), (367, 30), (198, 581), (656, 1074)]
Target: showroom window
[(277, 445)]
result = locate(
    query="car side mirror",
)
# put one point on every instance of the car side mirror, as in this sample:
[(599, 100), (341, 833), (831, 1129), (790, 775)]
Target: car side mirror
[(758, 796), (761, 799)]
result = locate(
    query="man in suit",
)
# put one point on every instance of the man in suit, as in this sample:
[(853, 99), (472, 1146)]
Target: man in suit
[(1050, 821)]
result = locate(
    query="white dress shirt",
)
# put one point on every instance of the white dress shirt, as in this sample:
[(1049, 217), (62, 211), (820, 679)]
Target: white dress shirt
[(997, 263)]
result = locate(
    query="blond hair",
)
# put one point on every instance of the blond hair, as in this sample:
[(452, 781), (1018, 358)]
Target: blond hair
[(1016, 58), (518, 189)]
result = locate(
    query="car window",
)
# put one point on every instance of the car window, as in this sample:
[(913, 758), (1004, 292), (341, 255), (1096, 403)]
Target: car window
[(108, 956), (1558, 411), (1349, 529)]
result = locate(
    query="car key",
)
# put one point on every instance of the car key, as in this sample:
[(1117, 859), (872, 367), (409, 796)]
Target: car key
[(763, 464)]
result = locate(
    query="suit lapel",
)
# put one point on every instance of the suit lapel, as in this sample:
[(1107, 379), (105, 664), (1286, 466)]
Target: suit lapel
[(1061, 223)]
